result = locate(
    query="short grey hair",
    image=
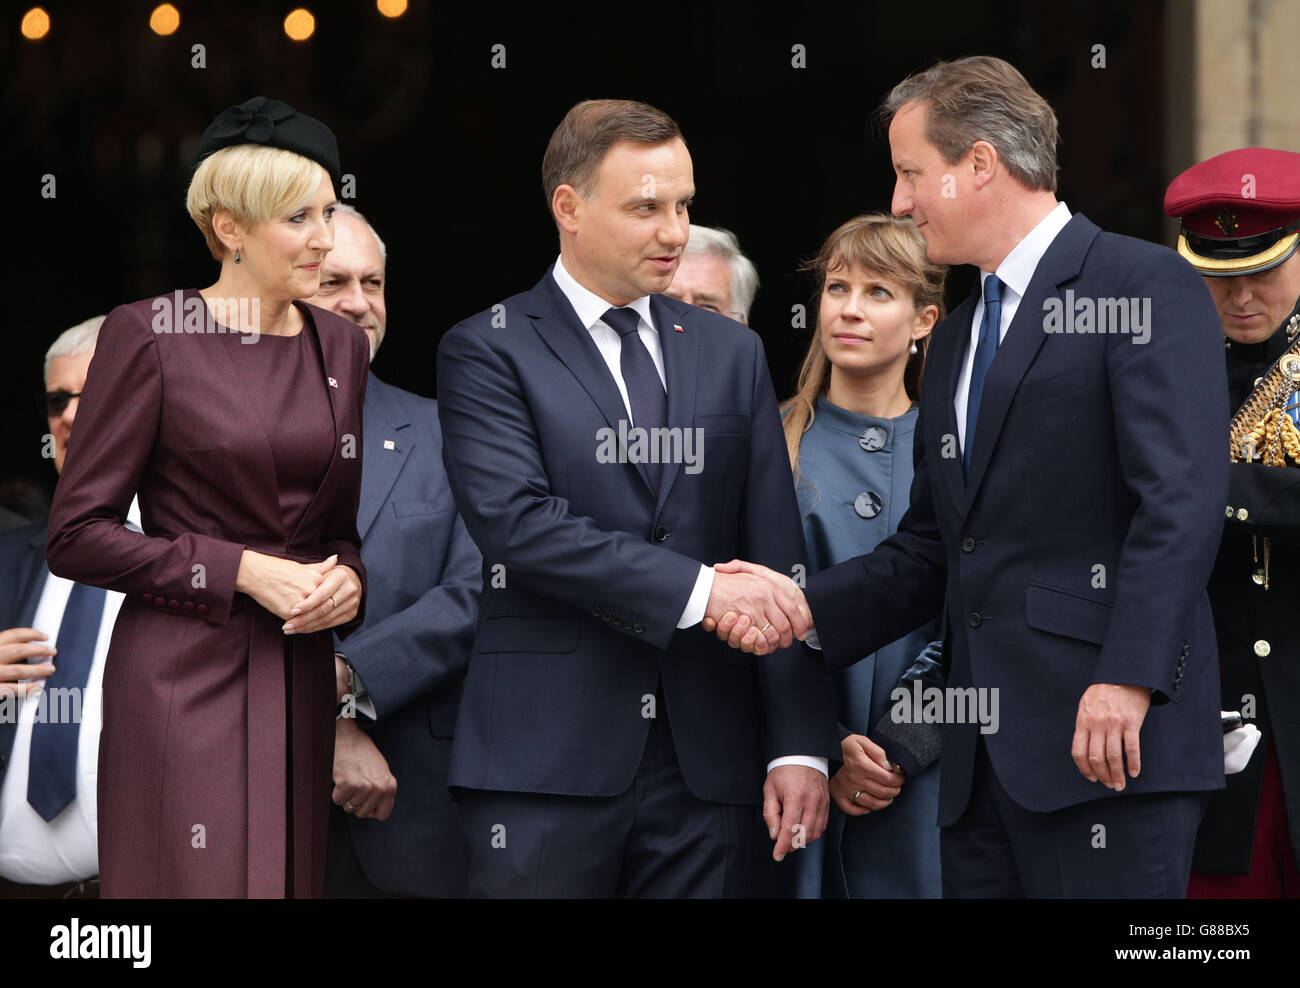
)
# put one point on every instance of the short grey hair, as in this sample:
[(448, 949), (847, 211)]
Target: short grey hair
[(343, 207), (981, 98), (80, 339), (723, 243)]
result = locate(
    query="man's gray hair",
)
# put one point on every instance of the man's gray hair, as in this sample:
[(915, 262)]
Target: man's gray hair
[(72, 342), (343, 207), (723, 243), (982, 98)]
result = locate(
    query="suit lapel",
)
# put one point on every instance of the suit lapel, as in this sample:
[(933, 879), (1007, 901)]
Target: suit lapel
[(952, 339), (1025, 336), (381, 465), (681, 365), (31, 581), (561, 330), (334, 360)]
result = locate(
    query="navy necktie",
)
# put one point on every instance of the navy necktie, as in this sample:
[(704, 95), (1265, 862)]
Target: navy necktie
[(645, 389), (52, 768), (985, 350)]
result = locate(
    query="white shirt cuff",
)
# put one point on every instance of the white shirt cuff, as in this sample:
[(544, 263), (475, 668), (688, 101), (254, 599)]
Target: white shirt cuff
[(812, 641), (699, 602), (822, 765)]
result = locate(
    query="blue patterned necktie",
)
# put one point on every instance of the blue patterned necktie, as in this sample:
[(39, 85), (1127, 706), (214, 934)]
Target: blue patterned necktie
[(52, 768), (645, 389), (985, 350)]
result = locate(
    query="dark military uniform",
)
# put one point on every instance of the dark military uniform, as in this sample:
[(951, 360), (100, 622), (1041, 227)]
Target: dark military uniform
[(1255, 595), (1241, 217)]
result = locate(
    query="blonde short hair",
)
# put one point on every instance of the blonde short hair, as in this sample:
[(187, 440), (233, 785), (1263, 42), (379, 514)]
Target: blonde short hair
[(253, 183)]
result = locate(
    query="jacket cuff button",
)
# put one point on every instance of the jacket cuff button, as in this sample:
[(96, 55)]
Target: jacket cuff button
[(202, 609)]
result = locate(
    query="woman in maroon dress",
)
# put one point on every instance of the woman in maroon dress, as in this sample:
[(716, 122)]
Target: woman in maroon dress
[(235, 412)]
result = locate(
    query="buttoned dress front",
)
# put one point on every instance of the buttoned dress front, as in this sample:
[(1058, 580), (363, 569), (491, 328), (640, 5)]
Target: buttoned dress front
[(217, 742), (855, 478)]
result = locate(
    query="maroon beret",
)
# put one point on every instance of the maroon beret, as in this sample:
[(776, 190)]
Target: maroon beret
[(1240, 211)]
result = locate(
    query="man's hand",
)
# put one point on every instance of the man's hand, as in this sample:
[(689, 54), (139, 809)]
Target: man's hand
[(865, 782), (794, 796), (1106, 732), (362, 780), (16, 646), (755, 609)]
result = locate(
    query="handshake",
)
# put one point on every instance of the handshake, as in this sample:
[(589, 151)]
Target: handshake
[(756, 609)]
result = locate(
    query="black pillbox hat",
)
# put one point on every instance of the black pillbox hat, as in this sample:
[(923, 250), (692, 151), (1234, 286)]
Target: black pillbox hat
[(274, 124)]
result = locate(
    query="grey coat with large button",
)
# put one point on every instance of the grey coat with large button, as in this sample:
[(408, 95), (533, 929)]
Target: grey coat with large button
[(855, 474)]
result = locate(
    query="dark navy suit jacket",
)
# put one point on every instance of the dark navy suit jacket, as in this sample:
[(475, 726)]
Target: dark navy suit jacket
[(22, 578), (1078, 548), (593, 568), (412, 651)]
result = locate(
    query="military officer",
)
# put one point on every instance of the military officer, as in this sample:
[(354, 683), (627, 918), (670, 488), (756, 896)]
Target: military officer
[(1240, 214)]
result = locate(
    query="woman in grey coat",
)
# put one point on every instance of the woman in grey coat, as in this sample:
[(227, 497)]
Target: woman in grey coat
[(849, 433)]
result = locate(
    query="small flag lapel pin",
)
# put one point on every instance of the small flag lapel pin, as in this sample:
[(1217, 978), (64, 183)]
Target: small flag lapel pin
[(678, 328), (389, 444), (333, 383)]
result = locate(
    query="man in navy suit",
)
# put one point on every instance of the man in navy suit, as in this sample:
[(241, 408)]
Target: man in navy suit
[(399, 675), (1066, 509), (605, 444), (52, 633)]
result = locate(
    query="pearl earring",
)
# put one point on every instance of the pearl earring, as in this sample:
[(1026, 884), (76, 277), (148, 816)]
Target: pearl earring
[(914, 346)]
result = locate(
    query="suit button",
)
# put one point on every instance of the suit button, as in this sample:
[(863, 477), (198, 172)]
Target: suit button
[(160, 602), (967, 545), (201, 609), (1228, 512), (1242, 514), (638, 627), (606, 616), (188, 605), (595, 612), (661, 534), (175, 605), (147, 597), (974, 620), (1262, 648)]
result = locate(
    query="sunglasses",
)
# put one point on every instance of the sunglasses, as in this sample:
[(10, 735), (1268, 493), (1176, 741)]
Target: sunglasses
[(55, 403)]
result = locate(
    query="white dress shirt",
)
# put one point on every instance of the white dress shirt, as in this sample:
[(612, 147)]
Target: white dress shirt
[(1015, 272), (590, 308), (32, 851)]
